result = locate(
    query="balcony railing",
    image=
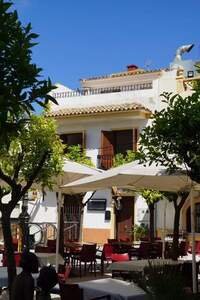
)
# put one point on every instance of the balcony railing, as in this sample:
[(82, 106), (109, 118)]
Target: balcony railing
[(116, 89), (105, 161)]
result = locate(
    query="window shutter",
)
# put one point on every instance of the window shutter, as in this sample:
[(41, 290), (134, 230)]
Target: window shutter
[(135, 139), (107, 149)]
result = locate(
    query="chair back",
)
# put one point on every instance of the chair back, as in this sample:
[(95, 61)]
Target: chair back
[(183, 248), (111, 241), (17, 259), (107, 251), (157, 249), (88, 253), (15, 244), (70, 291), (64, 272), (119, 257), (51, 244), (41, 249), (144, 250)]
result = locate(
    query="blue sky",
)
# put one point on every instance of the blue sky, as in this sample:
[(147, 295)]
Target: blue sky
[(84, 38)]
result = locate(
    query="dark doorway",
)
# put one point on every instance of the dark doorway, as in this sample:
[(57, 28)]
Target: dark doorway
[(72, 217), (125, 219)]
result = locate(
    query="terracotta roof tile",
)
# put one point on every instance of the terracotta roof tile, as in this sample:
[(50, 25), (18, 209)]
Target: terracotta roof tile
[(126, 73), (97, 109)]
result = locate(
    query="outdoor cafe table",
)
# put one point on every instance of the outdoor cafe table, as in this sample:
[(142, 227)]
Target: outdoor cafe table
[(117, 289), (140, 265), (48, 259), (4, 276)]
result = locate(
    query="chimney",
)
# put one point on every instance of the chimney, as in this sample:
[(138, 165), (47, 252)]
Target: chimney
[(131, 68)]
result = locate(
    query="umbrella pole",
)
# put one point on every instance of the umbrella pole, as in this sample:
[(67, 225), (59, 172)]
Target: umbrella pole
[(164, 228), (194, 281), (59, 199)]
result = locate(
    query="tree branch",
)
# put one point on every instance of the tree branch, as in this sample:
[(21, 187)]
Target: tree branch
[(18, 166), (7, 179), (34, 174), (184, 197)]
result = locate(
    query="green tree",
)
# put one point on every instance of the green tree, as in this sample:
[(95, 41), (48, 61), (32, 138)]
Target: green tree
[(120, 159), (29, 151), (173, 140), (21, 83), (77, 154), (33, 158), (151, 197), (178, 200)]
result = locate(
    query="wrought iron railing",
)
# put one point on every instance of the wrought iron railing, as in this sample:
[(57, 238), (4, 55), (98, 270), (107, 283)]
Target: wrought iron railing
[(71, 230), (93, 91), (105, 161)]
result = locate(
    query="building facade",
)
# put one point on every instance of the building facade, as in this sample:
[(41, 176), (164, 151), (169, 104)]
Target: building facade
[(105, 117)]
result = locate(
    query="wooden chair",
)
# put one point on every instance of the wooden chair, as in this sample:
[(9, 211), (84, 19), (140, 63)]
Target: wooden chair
[(87, 255), (143, 252), (183, 248), (156, 250), (105, 255), (17, 259), (41, 249), (51, 244), (64, 272), (119, 257), (111, 241), (73, 291)]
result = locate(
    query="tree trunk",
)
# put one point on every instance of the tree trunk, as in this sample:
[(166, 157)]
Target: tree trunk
[(175, 245), (151, 222), (9, 250)]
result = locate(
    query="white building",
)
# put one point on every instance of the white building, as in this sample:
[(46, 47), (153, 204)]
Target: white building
[(106, 117)]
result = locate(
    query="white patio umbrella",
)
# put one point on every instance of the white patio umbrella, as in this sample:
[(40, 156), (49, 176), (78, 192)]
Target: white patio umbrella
[(71, 171), (136, 176), (133, 176)]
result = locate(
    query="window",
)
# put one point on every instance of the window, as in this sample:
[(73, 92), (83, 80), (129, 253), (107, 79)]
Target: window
[(97, 204), (197, 218), (71, 139), (114, 142)]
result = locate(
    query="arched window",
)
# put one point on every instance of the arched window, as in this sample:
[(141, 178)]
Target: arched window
[(197, 218)]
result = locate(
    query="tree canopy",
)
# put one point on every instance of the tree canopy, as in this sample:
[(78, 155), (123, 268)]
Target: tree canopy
[(34, 156), (173, 138), (21, 83)]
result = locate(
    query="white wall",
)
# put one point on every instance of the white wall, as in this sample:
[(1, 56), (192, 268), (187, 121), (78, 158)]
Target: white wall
[(43, 210), (160, 210), (141, 214), (96, 219)]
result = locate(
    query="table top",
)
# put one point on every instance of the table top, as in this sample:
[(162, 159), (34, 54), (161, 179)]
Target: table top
[(48, 258), (117, 289), (139, 265), (4, 276)]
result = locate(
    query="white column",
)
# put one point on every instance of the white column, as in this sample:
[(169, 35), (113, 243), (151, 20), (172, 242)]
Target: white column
[(59, 205), (194, 281)]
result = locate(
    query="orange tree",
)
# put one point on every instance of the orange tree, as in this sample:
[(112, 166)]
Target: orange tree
[(173, 139), (30, 151), (33, 158)]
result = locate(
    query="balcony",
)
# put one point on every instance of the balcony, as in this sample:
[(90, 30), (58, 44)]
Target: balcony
[(105, 161), (116, 89)]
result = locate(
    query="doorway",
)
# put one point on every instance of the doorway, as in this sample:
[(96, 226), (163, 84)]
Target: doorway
[(72, 217), (125, 219)]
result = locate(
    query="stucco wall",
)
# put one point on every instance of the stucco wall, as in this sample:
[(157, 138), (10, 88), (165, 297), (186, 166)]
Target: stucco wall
[(43, 210)]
